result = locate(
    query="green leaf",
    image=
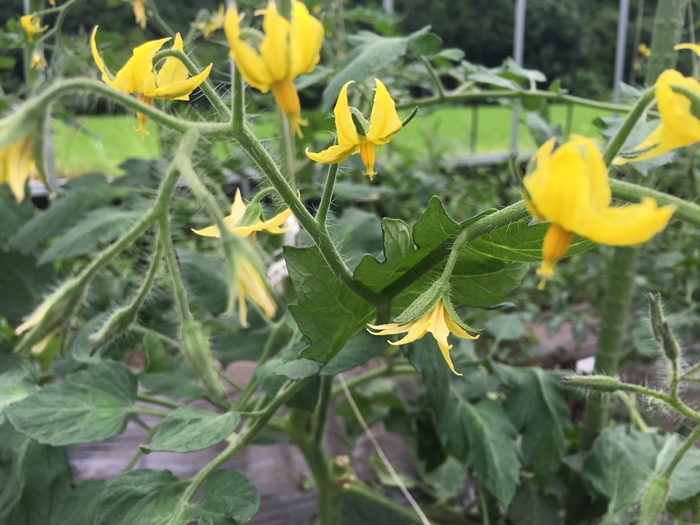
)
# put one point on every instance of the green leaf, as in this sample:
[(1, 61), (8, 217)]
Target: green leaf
[(425, 44), (327, 312), (153, 497), (157, 359), (34, 479), (620, 465), (447, 480), (519, 242), (64, 213), (531, 507), (14, 214), (356, 511), (188, 429), (22, 284), (370, 54), (358, 350), (91, 405), (140, 496), (505, 327), (17, 380), (537, 408), (685, 481), (229, 498), (96, 228), (516, 72), (483, 434), (452, 53), (204, 279), (80, 507), (426, 357), (299, 369), (271, 383), (180, 381), (81, 348), (357, 233)]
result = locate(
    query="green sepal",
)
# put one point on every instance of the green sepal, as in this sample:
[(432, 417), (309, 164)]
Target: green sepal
[(423, 304), (361, 123), (197, 351), (654, 501), (252, 213), (450, 309), (251, 35), (597, 383)]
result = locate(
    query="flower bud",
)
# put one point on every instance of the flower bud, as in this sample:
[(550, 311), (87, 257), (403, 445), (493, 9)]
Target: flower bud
[(117, 324), (662, 331), (596, 383), (654, 501), (56, 311), (198, 353)]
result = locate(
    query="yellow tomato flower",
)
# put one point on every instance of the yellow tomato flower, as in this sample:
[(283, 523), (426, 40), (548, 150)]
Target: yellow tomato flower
[(17, 164), (137, 76), (437, 321), (252, 286), (238, 209), (570, 188), (290, 48), (32, 25), (53, 3), (644, 50), (215, 21), (140, 13), (678, 126), (384, 124), (38, 61)]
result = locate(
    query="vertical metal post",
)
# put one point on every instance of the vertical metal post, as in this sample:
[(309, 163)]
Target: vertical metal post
[(518, 48), (620, 50), (388, 5)]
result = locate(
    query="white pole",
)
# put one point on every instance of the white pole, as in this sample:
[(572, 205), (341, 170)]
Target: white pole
[(518, 49), (620, 51), (388, 5)]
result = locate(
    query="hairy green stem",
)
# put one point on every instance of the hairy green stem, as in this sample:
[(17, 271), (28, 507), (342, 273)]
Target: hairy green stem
[(205, 86), (685, 210), (240, 440), (237, 99), (433, 76), (321, 412), (327, 197), (272, 341), (269, 169), (174, 270), (667, 31), (553, 96), (470, 231), (681, 452), (616, 143)]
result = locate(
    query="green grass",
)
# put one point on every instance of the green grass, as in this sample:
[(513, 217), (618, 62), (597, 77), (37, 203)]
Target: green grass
[(448, 130), (100, 144)]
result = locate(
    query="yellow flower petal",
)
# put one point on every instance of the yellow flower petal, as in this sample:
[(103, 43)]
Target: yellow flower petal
[(173, 69), (17, 164), (137, 74), (333, 155), (347, 133), (274, 49), (367, 155), (269, 226), (678, 127), (628, 225), (237, 207), (31, 25), (248, 61), (305, 40), (287, 100), (100, 64), (695, 48), (182, 90), (252, 286), (555, 245), (384, 121), (140, 13)]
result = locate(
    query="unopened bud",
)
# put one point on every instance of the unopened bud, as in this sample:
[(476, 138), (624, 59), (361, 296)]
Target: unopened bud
[(117, 325), (56, 310), (654, 501), (597, 383), (198, 353), (662, 331)]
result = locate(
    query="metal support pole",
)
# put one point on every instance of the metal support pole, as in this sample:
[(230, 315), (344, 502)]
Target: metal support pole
[(620, 50), (388, 5), (518, 48)]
